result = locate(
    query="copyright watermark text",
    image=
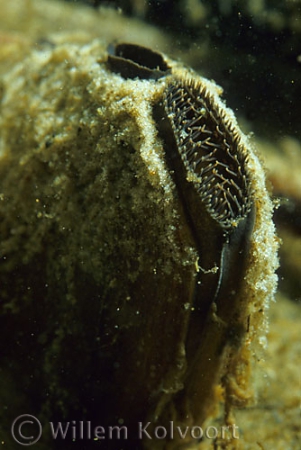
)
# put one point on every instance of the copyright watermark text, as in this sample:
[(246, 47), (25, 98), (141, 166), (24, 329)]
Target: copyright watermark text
[(27, 430)]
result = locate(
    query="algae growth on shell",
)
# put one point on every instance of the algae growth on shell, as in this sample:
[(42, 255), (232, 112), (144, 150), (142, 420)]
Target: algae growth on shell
[(102, 276)]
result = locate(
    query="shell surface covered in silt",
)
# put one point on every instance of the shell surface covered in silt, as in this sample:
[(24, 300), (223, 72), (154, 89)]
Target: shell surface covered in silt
[(108, 283)]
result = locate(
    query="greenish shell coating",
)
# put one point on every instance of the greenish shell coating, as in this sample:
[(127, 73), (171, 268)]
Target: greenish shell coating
[(98, 262)]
